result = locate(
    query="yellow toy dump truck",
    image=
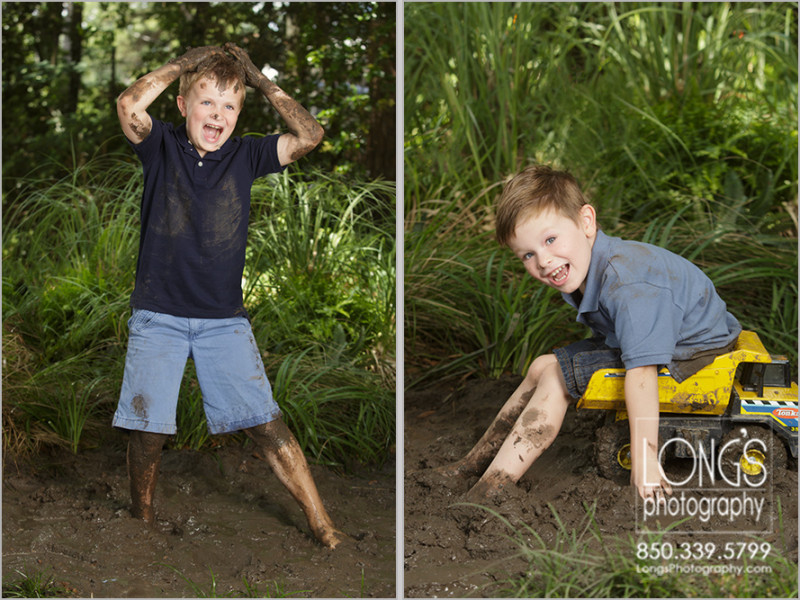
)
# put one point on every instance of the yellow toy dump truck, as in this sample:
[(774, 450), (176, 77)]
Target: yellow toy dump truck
[(742, 396)]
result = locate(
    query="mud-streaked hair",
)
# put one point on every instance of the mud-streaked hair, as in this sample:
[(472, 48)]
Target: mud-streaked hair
[(533, 190), (222, 68)]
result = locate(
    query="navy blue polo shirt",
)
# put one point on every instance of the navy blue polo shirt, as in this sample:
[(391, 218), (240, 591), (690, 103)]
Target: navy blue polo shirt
[(194, 217), (652, 304)]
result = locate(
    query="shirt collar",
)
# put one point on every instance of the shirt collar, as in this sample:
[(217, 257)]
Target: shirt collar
[(591, 297), (189, 148)]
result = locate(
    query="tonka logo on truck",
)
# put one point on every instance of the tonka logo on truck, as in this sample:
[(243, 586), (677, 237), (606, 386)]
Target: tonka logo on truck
[(785, 413)]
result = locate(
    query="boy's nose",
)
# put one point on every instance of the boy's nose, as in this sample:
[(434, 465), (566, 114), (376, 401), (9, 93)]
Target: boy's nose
[(544, 260)]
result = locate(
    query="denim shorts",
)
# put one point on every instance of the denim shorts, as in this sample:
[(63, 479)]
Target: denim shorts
[(236, 392), (580, 360)]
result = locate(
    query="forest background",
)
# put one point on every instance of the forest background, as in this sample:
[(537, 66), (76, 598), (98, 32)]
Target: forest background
[(320, 276), (679, 120)]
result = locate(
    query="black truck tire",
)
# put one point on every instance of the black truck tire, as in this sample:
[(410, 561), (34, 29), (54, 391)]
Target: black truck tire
[(764, 451), (612, 450)]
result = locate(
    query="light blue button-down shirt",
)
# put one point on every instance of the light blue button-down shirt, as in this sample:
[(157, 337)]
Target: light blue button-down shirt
[(654, 305)]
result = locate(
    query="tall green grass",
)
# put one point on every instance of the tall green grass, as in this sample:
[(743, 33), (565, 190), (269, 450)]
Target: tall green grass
[(586, 563), (319, 285), (678, 119)]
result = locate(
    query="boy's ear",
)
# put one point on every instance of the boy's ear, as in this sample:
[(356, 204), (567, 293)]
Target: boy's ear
[(181, 105), (588, 220)]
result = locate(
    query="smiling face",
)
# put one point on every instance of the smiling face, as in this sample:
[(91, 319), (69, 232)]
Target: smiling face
[(555, 249), (211, 112)]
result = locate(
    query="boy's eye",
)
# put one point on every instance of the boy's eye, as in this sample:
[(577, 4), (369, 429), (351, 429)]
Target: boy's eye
[(549, 240), (527, 256)]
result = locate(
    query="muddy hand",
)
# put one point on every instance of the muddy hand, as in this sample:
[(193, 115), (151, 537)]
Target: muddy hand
[(648, 485), (194, 56), (254, 75)]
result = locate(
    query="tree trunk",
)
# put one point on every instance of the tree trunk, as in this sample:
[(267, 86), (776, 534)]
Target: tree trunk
[(75, 54), (48, 26), (380, 158)]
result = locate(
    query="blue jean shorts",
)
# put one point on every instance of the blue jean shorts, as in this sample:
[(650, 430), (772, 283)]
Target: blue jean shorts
[(236, 392), (580, 360)]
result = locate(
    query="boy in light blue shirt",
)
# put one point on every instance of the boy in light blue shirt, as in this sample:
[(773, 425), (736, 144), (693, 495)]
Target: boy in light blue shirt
[(646, 307)]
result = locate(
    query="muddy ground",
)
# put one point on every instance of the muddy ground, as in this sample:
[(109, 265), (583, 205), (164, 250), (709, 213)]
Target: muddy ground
[(219, 511), (455, 552)]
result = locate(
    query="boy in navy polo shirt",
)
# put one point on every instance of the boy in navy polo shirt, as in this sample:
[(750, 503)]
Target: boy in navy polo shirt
[(187, 300), (646, 307)]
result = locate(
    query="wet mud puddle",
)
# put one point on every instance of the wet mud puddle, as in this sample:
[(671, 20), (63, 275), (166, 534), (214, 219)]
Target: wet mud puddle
[(222, 518), (451, 550)]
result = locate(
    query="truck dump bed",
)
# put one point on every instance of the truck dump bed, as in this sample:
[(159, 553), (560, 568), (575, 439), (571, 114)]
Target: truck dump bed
[(706, 392)]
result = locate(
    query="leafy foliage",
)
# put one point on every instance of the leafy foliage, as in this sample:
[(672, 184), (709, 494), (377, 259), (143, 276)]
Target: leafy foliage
[(327, 333), (35, 585), (678, 119), (66, 63)]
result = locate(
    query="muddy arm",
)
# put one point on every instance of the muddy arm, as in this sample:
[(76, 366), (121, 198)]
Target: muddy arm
[(641, 400), (305, 133), (132, 104)]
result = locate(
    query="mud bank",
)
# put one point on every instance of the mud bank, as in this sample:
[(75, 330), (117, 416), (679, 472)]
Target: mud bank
[(453, 551), (220, 512)]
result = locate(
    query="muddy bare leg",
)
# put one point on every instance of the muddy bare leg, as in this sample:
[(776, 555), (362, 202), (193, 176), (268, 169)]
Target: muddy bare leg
[(478, 459), (144, 458), (534, 431), (279, 448)]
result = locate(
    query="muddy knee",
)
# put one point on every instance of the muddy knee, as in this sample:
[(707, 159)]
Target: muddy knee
[(144, 448), (271, 436), (539, 366)]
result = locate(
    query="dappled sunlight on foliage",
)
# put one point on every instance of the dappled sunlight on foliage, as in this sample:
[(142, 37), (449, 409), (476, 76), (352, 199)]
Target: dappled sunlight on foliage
[(679, 120), (319, 288)]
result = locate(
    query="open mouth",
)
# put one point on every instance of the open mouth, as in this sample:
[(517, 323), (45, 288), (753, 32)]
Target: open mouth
[(560, 275), (212, 133)]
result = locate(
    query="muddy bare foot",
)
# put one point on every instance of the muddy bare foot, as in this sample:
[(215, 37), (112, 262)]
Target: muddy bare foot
[(490, 488), (144, 514), (337, 540), (330, 537)]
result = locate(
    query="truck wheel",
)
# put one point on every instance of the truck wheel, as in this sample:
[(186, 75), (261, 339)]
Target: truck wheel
[(752, 450), (612, 450)]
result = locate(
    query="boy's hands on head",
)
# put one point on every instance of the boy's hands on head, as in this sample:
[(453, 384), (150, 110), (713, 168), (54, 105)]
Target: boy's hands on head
[(305, 133), (194, 56), (254, 75)]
